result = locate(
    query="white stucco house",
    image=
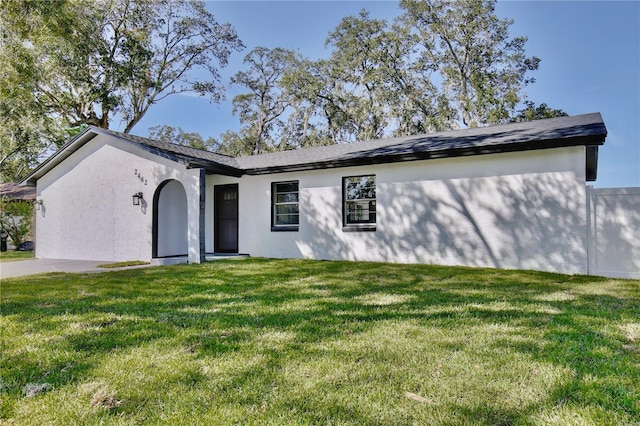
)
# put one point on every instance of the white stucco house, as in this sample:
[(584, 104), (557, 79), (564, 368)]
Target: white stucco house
[(509, 196)]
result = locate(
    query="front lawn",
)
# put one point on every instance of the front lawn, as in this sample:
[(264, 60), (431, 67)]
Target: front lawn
[(12, 256), (257, 341)]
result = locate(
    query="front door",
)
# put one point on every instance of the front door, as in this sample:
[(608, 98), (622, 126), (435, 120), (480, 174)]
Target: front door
[(226, 218)]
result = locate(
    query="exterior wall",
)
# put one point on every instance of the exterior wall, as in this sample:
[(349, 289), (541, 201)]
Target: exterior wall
[(87, 210), (614, 237), (517, 210)]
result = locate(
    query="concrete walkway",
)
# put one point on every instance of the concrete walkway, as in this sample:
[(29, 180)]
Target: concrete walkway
[(20, 268)]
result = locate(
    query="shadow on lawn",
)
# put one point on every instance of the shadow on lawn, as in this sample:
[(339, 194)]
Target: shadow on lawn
[(219, 307), (579, 336)]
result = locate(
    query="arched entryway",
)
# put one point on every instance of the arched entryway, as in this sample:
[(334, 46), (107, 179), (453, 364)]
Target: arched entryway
[(170, 221)]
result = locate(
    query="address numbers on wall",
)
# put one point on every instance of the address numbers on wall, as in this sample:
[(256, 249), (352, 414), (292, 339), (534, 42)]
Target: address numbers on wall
[(139, 176)]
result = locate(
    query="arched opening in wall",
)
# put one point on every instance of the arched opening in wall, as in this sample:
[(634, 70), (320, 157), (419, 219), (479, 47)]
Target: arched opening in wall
[(170, 223)]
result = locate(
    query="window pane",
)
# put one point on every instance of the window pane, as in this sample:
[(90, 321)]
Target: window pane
[(361, 211), (287, 209), (230, 195), (287, 219), (291, 197), (285, 204), (287, 187), (360, 199), (360, 187)]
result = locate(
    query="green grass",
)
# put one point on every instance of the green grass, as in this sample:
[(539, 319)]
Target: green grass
[(12, 256), (259, 341)]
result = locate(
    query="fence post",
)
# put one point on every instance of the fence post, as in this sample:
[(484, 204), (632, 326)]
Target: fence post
[(591, 234)]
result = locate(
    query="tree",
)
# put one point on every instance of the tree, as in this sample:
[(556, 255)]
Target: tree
[(316, 94), (532, 112), (346, 93), (236, 143), (178, 136), (26, 130), (183, 37), (395, 83), (357, 66), (92, 62), (15, 219), (119, 57), (483, 70), (25, 133), (441, 65), (261, 108)]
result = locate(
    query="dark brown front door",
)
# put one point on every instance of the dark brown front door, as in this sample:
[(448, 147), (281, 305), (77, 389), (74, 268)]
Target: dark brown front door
[(226, 218)]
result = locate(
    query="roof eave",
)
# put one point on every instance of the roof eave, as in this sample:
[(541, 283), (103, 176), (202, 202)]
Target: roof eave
[(83, 138), (211, 167), (588, 141), (593, 135), (63, 153)]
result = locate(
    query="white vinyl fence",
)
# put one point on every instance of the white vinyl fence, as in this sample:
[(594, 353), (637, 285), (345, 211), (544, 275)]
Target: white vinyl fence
[(613, 218)]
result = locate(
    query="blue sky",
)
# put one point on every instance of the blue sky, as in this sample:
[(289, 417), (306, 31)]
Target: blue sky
[(590, 53)]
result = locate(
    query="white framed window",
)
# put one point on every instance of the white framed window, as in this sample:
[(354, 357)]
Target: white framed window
[(359, 203), (285, 206)]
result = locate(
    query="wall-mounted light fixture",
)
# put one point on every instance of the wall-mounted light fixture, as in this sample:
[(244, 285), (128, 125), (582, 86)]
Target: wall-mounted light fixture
[(136, 198), (37, 204)]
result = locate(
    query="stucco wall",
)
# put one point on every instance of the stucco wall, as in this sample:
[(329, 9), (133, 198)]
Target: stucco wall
[(516, 210), (87, 210)]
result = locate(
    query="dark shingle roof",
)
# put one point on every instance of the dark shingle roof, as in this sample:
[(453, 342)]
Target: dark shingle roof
[(587, 130), (180, 151)]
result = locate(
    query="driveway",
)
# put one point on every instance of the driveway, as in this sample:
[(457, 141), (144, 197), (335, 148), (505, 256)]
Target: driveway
[(38, 266)]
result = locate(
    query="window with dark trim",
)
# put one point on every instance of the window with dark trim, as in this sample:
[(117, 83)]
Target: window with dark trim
[(359, 203), (285, 206)]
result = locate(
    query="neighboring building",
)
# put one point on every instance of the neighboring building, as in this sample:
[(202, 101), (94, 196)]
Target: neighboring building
[(11, 192), (510, 196), (15, 192)]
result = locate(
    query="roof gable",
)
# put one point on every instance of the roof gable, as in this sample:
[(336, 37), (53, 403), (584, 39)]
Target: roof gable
[(586, 130)]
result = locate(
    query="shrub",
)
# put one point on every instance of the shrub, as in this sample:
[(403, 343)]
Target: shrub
[(15, 220)]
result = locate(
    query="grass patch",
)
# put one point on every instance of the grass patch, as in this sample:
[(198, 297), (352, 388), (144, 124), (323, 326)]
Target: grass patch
[(258, 341), (12, 256), (123, 264)]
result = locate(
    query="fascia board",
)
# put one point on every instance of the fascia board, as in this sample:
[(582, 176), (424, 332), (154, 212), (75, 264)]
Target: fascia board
[(63, 153)]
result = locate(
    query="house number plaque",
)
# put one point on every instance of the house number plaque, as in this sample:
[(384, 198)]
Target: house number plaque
[(139, 176)]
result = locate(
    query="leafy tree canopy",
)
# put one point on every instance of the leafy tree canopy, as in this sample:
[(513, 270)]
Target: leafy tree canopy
[(261, 107), (481, 68), (178, 136), (440, 65), (77, 62), (532, 112)]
